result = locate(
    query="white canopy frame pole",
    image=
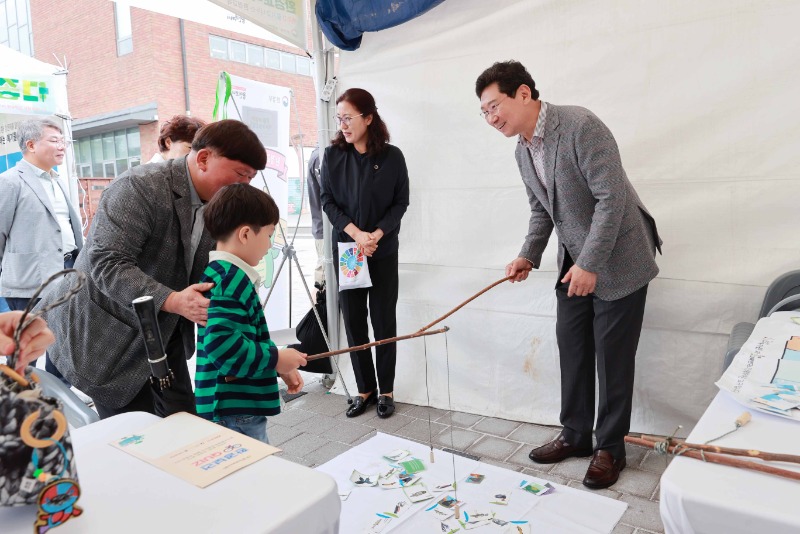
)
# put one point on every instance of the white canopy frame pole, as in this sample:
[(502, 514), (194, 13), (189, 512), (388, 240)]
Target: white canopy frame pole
[(323, 64)]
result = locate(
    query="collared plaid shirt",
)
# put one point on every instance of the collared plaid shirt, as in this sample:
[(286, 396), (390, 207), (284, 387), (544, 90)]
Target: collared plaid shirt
[(536, 145)]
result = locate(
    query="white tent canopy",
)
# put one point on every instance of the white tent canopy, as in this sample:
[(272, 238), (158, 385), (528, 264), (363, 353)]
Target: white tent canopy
[(700, 97)]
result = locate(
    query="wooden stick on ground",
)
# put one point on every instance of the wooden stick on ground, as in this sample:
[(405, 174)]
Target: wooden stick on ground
[(473, 297), (715, 458), (750, 453), (419, 333)]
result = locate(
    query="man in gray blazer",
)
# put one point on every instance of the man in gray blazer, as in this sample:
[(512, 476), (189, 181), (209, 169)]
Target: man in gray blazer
[(40, 231), (573, 176), (147, 238)]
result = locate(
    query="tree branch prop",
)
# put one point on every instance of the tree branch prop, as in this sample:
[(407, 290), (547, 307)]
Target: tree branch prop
[(419, 333), (473, 297), (750, 453), (680, 450)]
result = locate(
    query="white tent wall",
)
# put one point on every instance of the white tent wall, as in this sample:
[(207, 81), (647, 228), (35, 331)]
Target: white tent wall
[(701, 97)]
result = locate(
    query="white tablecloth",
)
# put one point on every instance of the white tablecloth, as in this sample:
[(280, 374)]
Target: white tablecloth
[(699, 497), (565, 511), (123, 494)]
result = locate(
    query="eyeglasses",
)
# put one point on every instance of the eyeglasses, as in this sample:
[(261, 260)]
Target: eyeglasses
[(59, 141), (346, 119), (492, 109)]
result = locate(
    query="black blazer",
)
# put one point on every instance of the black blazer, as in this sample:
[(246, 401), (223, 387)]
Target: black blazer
[(370, 192)]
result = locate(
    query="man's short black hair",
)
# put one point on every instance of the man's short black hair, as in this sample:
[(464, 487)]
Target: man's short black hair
[(233, 140), (508, 75), (237, 205)]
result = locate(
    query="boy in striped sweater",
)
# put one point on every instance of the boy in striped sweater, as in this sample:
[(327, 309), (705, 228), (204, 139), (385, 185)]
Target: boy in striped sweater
[(236, 382)]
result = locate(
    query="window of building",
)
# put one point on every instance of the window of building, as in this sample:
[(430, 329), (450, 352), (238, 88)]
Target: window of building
[(122, 16), (237, 51), (109, 154), (15, 28), (258, 56), (303, 66), (288, 63), (219, 47)]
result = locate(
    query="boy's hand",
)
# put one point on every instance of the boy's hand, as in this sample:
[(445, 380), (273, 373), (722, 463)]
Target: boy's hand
[(294, 382), (289, 360)]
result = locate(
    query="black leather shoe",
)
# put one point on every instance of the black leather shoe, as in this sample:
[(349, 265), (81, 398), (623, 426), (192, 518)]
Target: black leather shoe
[(385, 406), (603, 470), (360, 404), (558, 450)]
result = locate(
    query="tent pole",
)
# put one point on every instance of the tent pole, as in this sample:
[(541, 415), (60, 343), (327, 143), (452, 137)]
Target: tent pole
[(323, 63)]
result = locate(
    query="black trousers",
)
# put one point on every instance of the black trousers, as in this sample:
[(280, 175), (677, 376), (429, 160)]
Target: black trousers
[(382, 297), (592, 332), (179, 398)]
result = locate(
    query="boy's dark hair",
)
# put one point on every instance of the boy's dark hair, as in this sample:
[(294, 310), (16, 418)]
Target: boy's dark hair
[(233, 140), (508, 75), (236, 205), (377, 132), (179, 128)]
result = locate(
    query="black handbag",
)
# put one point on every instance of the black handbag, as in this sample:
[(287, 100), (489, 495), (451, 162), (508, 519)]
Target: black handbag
[(310, 335)]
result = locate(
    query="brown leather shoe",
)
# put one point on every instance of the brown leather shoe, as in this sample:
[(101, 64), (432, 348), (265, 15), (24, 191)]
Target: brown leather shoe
[(603, 470), (557, 450)]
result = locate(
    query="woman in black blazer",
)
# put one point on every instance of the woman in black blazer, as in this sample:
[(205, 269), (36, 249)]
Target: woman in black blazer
[(365, 194)]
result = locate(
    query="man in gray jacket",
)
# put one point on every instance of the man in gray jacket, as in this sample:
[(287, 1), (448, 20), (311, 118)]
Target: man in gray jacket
[(148, 238), (573, 176), (40, 231)]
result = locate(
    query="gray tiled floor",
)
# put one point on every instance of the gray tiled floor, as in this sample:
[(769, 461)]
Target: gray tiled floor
[(313, 429)]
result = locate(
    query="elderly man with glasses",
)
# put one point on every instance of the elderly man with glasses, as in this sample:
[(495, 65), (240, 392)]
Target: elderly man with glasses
[(40, 231)]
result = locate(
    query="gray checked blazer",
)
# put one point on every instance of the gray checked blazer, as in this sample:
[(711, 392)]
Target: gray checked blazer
[(589, 201), (135, 247), (30, 236)]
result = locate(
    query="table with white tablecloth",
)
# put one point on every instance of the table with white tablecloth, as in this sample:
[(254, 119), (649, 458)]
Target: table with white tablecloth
[(698, 497), (122, 494)]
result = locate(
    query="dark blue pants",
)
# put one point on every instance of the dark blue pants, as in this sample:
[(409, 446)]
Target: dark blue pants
[(21, 303)]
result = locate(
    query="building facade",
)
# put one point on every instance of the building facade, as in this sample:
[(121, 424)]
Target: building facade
[(131, 69)]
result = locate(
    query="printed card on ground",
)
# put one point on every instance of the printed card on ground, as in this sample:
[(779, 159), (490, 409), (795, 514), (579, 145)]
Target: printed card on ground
[(499, 523), (378, 525), (399, 508), (448, 501), (500, 497), (413, 465), (388, 472), (472, 519), (361, 480), (450, 526), (519, 528), (536, 489), (446, 486), (396, 455), (408, 480), (440, 512), (418, 493), (475, 478)]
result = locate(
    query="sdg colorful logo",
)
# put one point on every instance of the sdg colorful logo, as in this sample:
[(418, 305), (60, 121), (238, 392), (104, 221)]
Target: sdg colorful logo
[(351, 262)]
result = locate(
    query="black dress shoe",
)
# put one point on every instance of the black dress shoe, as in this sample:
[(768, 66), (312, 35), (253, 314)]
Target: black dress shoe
[(603, 470), (360, 404), (385, 406), (558, 450)]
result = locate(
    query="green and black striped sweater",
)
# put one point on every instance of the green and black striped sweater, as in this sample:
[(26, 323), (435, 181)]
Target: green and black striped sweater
[(235, 342)]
